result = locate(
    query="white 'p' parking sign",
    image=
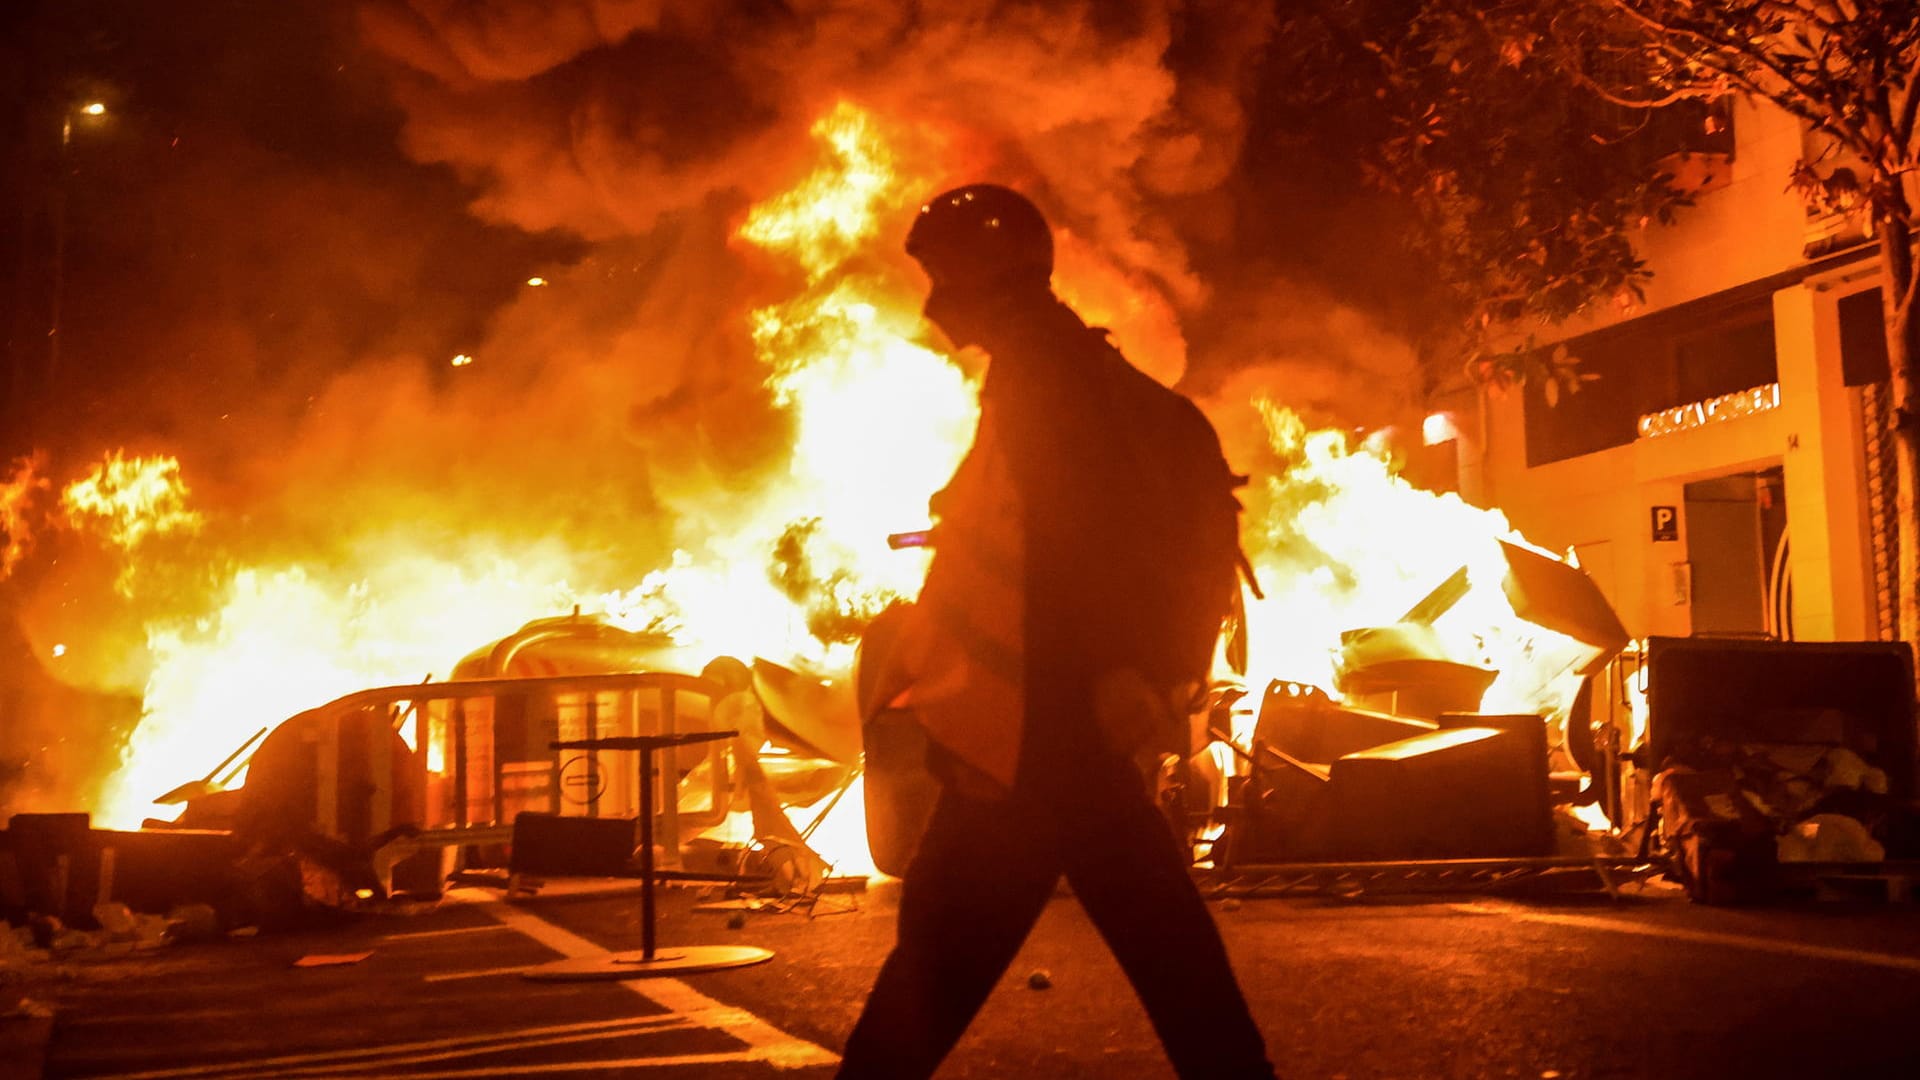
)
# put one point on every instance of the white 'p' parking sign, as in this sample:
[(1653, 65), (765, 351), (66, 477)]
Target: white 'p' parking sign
[(1666, 523)]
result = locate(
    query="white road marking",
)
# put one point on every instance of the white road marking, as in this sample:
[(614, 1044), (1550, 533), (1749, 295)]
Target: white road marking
[(492, 928), (1698, 937), (764, 1041), (483, 973), (383, 1066), (738, 1058), (320, 1062)]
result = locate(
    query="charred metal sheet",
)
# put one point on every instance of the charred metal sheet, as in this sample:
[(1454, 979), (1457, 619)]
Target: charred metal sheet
[(1302, 722), (66, 869), (1549, 593), (1461, 792)]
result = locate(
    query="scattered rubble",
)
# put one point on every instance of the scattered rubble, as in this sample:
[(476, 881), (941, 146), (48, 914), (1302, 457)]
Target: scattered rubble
[(199, 922), (312, 960), (26, 1026)]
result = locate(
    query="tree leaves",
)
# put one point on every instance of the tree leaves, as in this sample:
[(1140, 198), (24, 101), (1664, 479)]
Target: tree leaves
[(1524, 186), (1522, 133)]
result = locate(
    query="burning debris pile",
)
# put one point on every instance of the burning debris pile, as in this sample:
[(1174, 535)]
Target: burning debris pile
[(1413, 763), (789, 570), (697, 439)]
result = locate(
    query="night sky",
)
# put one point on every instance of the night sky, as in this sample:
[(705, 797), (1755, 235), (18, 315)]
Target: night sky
[(244, 221), (292, 215), (239, 225)]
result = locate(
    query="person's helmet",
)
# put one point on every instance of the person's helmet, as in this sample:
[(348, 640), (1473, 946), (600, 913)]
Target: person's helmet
[(982, 236)]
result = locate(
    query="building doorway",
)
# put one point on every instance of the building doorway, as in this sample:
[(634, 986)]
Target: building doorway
[(1737, 545)]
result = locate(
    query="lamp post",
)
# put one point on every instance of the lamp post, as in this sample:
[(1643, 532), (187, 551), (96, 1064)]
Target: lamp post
[(90, 110)]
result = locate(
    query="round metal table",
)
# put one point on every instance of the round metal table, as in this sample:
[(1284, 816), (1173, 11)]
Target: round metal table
[(649, 960)]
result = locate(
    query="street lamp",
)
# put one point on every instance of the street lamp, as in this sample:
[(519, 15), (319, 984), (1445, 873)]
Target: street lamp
[(91, 110)]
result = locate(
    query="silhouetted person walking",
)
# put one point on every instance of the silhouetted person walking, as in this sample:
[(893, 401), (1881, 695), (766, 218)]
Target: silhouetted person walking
[(1061, 632)]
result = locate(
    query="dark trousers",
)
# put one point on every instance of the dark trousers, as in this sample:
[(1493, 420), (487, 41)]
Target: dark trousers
[(984, 871)]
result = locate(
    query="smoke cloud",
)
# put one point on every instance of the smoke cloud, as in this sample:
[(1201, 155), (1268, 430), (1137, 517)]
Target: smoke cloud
[(294, 338), (604, 118)]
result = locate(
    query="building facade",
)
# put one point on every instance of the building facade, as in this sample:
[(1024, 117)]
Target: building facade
[(1718, 475)]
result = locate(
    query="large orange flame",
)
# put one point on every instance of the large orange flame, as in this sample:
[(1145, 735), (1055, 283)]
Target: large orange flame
[(1340, 541), (18, 492), (128, 499), (879, 423)]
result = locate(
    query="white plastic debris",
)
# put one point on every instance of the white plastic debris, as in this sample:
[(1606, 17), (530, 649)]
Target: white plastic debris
[(193, 922), (1846, 769), (115, 918), (1830, 838)]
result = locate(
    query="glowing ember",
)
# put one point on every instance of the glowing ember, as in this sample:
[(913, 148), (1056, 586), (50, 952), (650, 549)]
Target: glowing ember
[(128, 499)]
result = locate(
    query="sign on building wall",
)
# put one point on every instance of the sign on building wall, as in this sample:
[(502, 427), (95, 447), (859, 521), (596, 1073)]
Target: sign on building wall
[(1666, 523)]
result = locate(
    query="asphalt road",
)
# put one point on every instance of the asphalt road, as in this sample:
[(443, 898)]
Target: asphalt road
[(1455, 986)]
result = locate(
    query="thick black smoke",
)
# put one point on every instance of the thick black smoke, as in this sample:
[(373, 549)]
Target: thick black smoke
[(299, 214)]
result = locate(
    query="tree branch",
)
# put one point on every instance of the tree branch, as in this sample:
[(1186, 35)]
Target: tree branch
[(1798, 97), (1903, 125), (1898, 210), (1806, 13), (1797, 105), (1593, 85)]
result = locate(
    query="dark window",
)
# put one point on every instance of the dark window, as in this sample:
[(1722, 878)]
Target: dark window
[(1603, 414), (1721, 361), (1690, 127), (1863, 339), (1649, 365)]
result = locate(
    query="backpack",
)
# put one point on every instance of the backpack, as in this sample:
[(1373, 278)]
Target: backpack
[(1187, 564)]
